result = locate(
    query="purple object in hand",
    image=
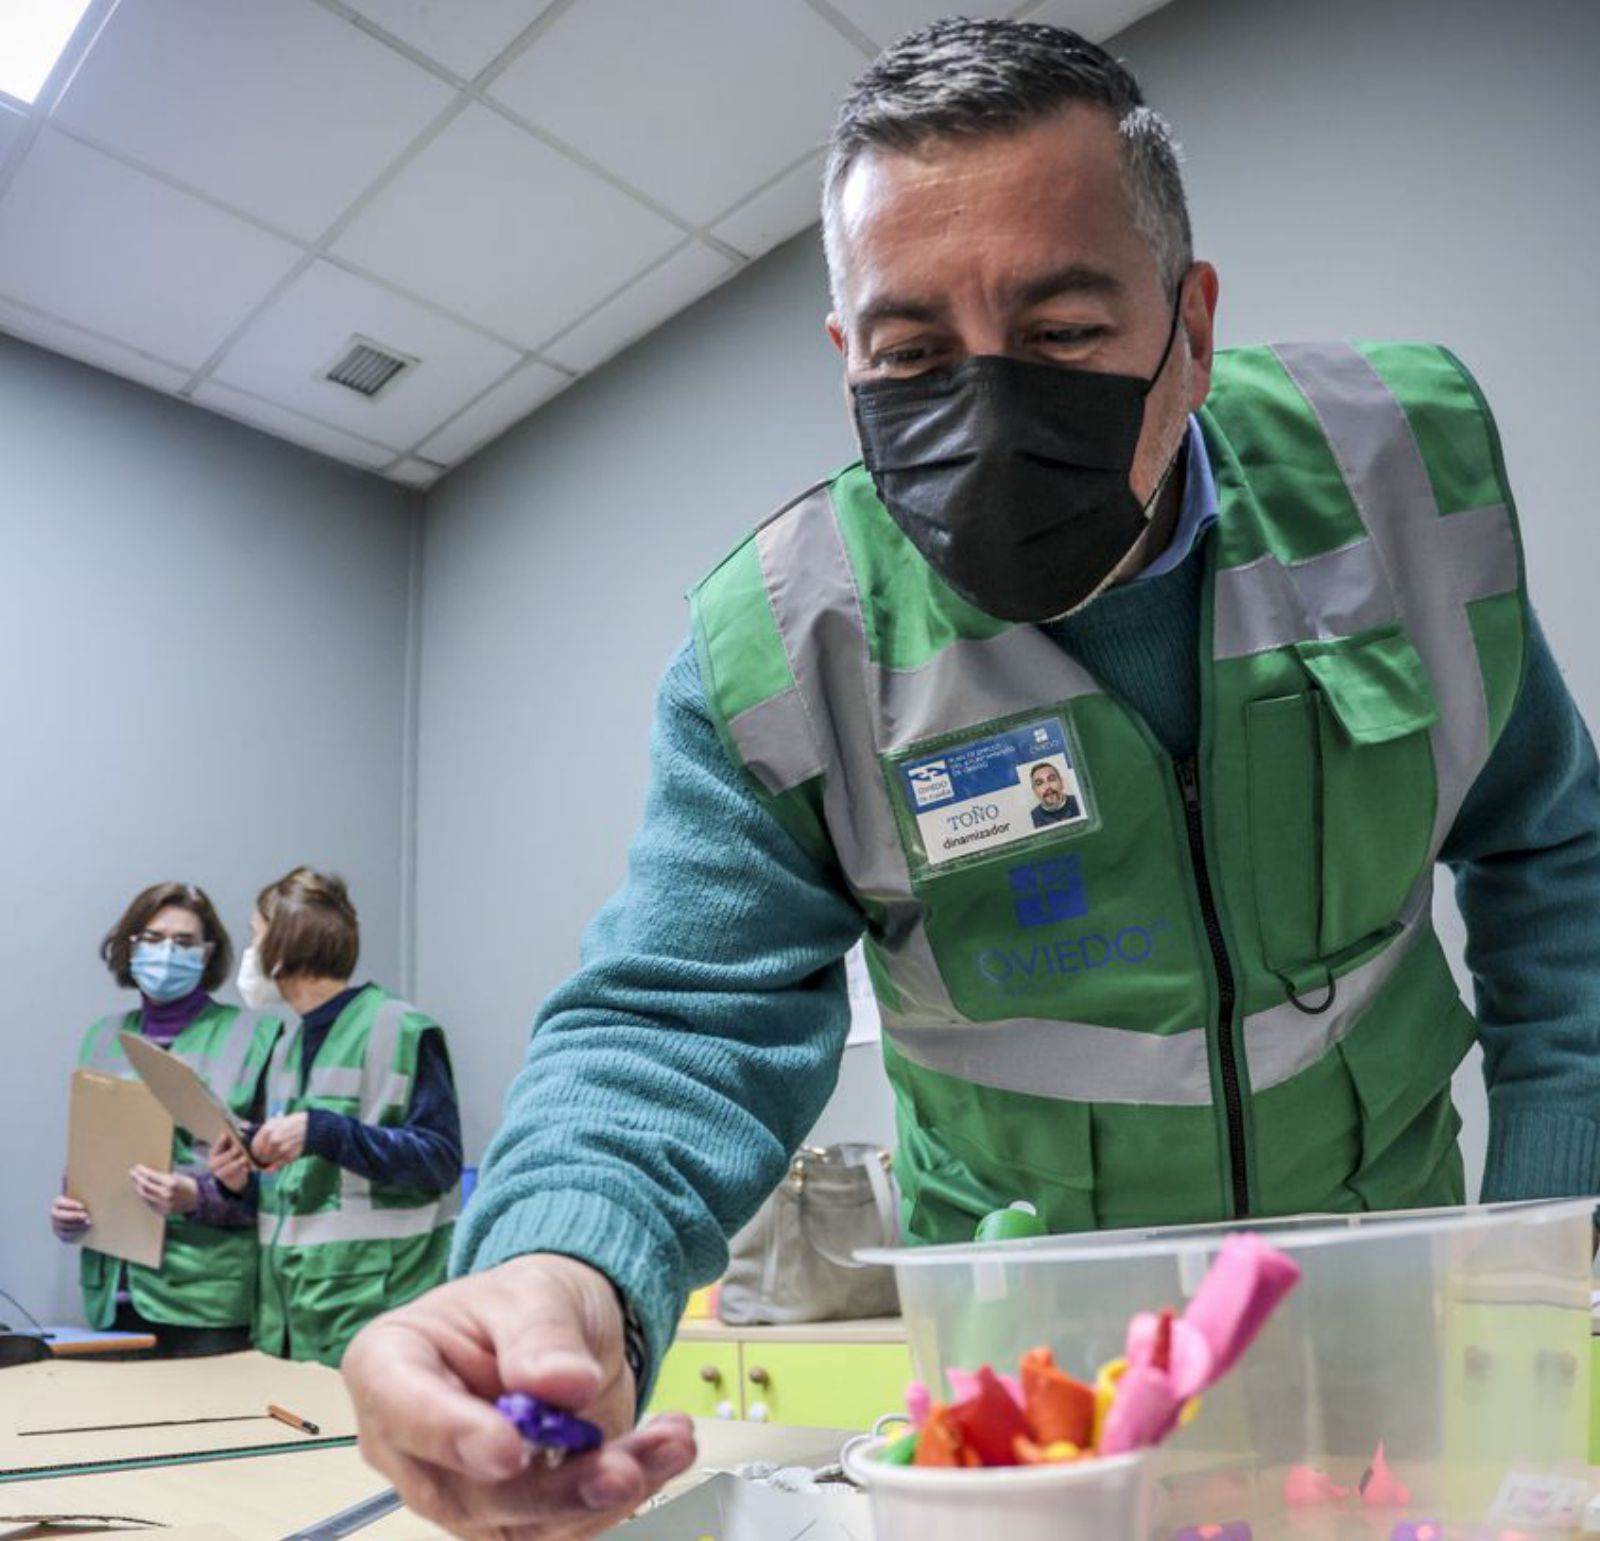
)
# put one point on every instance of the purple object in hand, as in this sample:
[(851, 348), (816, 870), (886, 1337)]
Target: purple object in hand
[(559, 1434), (1237, 1531)]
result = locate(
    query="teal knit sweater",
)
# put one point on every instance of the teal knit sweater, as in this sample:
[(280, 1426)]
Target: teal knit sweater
[(671, 1077)]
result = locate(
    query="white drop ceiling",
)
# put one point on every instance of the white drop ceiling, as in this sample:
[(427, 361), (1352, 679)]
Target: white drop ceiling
[(211, 197)]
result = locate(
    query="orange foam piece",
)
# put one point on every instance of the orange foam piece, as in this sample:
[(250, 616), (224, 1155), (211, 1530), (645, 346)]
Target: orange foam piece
[(1058, 1407), (941, 1442)]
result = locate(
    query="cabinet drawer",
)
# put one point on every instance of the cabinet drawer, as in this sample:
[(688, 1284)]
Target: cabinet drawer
[(698, 1378), (839, 1386)]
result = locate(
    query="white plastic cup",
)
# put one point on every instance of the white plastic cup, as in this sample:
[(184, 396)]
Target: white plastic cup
[(1108, 1499)]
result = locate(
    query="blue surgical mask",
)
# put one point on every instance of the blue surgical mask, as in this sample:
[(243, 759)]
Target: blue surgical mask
[(165, 971)]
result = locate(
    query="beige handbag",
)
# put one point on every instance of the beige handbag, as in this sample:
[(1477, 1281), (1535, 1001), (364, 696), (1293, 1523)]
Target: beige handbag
[(793, 1262)]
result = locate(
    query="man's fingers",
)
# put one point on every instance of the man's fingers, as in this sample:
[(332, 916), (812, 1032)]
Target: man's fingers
[(551, 1346), (588, 1490), (439, 1423)]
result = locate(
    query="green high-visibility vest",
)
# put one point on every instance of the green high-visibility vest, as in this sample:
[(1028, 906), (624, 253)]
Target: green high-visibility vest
[(1215, 988), (207, 1276), (338, 1249)]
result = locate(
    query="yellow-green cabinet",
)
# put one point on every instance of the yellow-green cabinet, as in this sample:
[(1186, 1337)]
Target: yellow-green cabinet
[(825, 1384)]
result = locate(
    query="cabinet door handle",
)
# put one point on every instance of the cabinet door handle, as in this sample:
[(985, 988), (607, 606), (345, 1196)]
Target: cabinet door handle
[(711, 1375), (759, 1377)]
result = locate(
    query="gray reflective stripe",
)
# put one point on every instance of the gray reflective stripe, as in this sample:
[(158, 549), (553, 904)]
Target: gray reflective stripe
[(1282, 1041), (1268, 603), (974, 681), (225, 1067), (1071, 1061), (335, 1081), (383, 1085), (105, 1053), (1478, 549), (281, 1086), (350, 1223), (774, 741), (812, 590), (1081, 1062), (1383, 469)]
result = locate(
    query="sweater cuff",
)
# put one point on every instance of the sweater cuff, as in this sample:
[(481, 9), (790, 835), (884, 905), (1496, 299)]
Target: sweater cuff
[(598, 1231), (1541, 1154), (324, 1135)]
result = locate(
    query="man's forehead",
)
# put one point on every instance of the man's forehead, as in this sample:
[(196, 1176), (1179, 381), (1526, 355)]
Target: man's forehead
[(1044, 211)]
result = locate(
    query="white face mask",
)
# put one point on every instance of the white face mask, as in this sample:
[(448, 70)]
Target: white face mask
[(257, 989)]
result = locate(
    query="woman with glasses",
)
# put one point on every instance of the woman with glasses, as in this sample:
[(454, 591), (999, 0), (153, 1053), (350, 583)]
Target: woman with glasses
[(171, 947), (359, 1135)]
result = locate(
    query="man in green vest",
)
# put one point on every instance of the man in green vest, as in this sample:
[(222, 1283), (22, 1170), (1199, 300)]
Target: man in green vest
[(1266, 609)]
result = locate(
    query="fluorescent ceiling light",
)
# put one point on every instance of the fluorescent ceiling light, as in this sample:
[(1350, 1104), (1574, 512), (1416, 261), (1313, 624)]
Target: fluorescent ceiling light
[(32, 35)]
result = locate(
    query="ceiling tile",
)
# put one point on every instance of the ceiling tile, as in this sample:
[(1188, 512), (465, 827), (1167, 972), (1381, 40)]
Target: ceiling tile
[(1095, 19), (708, 100), (287, 347), (640, 308), (886, 21), (782, 210), (413, 472), (287, 425), (94, 243), (462, 37), (508, 403), (285, 110), (498, 227), (61, 338)]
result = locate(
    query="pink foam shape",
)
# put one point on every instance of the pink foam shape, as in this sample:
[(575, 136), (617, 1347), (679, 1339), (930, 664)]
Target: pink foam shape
[(1243, 1288), (1192, 1361), (1381, 1488), (919, 1403), (1144, 1411), (1306, 1488)]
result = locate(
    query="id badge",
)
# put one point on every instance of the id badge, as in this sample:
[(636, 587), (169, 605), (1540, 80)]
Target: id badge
[(965, 800)]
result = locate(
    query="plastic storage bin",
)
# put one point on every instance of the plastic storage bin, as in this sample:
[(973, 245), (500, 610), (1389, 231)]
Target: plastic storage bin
[(1457, 1338)]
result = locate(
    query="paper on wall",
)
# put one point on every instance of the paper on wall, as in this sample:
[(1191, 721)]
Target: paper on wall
[(866, 1026)]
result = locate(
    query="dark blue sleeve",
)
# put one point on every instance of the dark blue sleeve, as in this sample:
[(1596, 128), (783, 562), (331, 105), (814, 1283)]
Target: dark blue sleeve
[(423, 1153), (1525, 850)]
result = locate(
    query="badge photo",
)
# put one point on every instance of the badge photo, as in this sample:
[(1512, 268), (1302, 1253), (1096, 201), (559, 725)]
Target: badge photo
[(969, 799)]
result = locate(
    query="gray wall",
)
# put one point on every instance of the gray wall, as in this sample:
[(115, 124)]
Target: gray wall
[(555, 568), (1368, 169), (204, 643), (1420, 171)]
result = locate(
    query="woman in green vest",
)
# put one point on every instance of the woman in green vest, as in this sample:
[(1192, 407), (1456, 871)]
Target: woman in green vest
[(170, 946), (359, 1143)]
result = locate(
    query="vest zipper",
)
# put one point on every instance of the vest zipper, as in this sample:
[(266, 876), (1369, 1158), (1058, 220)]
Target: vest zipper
[(1188, 772)]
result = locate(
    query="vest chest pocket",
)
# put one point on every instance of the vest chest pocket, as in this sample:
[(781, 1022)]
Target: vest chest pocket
[(1342, 796)]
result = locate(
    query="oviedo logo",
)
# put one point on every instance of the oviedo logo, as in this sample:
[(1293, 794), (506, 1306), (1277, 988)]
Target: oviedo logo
[(1046, 893)]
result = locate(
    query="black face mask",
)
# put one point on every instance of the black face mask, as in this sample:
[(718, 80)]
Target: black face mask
[(1011, 478)]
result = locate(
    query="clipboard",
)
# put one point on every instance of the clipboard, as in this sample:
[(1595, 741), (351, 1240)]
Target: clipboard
[(192, 1104), (113, 1125)]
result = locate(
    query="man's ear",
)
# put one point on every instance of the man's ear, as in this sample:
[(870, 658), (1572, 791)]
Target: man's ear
[(1198, 316)]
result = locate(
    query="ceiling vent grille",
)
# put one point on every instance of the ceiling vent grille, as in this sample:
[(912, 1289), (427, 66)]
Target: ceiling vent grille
[(367, 367)]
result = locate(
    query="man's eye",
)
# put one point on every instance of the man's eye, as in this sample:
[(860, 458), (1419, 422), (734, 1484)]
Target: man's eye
[(903, 359), (1068, 336)]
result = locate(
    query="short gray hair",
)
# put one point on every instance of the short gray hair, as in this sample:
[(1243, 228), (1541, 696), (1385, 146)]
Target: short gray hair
[(968, 79)]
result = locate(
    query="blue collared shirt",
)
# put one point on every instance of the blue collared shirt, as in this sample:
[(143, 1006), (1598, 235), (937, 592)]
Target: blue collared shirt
[(1198, 511)]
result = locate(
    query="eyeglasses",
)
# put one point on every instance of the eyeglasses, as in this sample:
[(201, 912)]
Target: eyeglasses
[(177, 938)]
